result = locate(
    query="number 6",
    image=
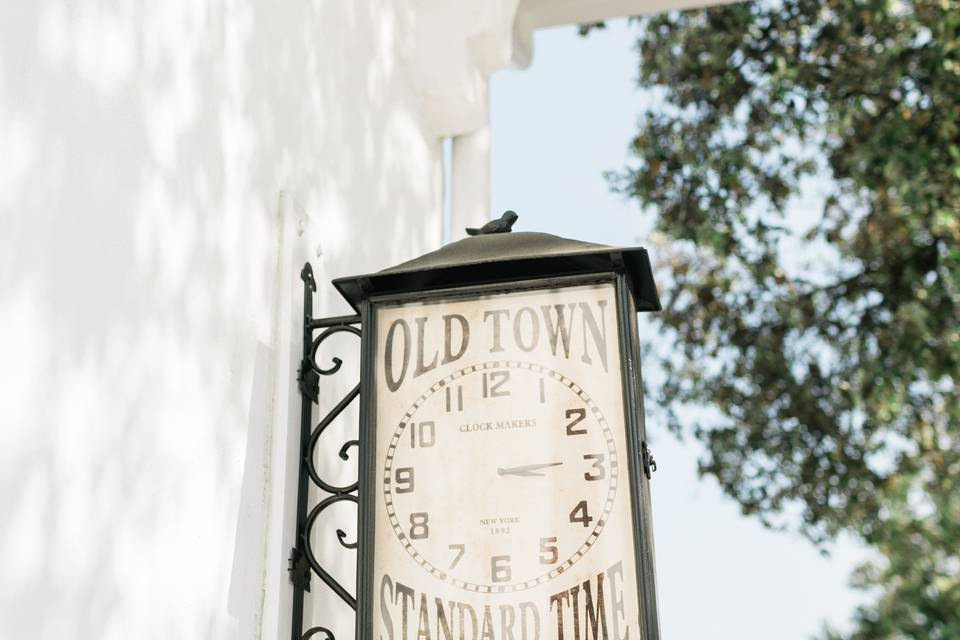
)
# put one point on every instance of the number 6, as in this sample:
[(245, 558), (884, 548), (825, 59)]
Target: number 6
[(500, 568)]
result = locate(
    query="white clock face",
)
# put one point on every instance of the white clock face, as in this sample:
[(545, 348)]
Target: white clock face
[(502, 482), (543, 481)]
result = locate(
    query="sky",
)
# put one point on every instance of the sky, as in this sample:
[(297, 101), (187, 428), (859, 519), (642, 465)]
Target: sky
[(556, 127)]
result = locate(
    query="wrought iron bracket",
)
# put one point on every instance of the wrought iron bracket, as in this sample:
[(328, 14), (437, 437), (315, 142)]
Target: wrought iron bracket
[(303, 563)]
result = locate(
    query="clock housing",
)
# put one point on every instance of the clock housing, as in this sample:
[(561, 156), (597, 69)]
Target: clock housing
[(503, 490)]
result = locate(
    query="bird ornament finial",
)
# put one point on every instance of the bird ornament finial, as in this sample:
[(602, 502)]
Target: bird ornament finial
[(503, 224)]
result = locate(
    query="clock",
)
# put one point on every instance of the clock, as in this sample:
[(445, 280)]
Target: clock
[(557, 444), (503, 487)]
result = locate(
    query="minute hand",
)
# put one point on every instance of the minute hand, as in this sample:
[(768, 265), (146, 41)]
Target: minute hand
[(526, 470)]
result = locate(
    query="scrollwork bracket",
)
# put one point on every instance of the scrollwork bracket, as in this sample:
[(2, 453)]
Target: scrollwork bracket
[(303, 563)]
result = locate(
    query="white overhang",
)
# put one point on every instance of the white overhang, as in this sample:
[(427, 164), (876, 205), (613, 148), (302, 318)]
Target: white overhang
[(455, 46)]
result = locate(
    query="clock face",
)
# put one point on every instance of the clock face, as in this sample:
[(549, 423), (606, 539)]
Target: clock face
[(501, 493), (542, 486)]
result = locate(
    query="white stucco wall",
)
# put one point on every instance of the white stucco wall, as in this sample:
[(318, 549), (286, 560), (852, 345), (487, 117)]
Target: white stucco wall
[(165, 169), (157, 161)]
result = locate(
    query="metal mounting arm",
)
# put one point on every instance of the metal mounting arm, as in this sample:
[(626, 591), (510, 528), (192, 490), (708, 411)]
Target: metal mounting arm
[(303, 562)]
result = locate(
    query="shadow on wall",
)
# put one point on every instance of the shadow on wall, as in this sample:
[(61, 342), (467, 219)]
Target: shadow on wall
[(142, 150)]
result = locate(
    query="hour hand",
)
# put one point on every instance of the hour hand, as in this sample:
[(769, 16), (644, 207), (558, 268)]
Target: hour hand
[(526, 470)]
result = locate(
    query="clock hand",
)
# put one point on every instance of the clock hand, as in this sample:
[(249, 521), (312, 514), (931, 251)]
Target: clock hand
[(517, 472), (526, 470)]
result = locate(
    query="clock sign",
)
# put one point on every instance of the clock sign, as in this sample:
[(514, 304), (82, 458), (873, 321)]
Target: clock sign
[(503, 490)]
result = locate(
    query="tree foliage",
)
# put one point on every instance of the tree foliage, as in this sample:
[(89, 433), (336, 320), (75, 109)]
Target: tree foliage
[(830, 355)]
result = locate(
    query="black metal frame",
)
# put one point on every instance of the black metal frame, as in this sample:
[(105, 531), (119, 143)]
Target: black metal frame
[(640, 464), (303, 562)]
